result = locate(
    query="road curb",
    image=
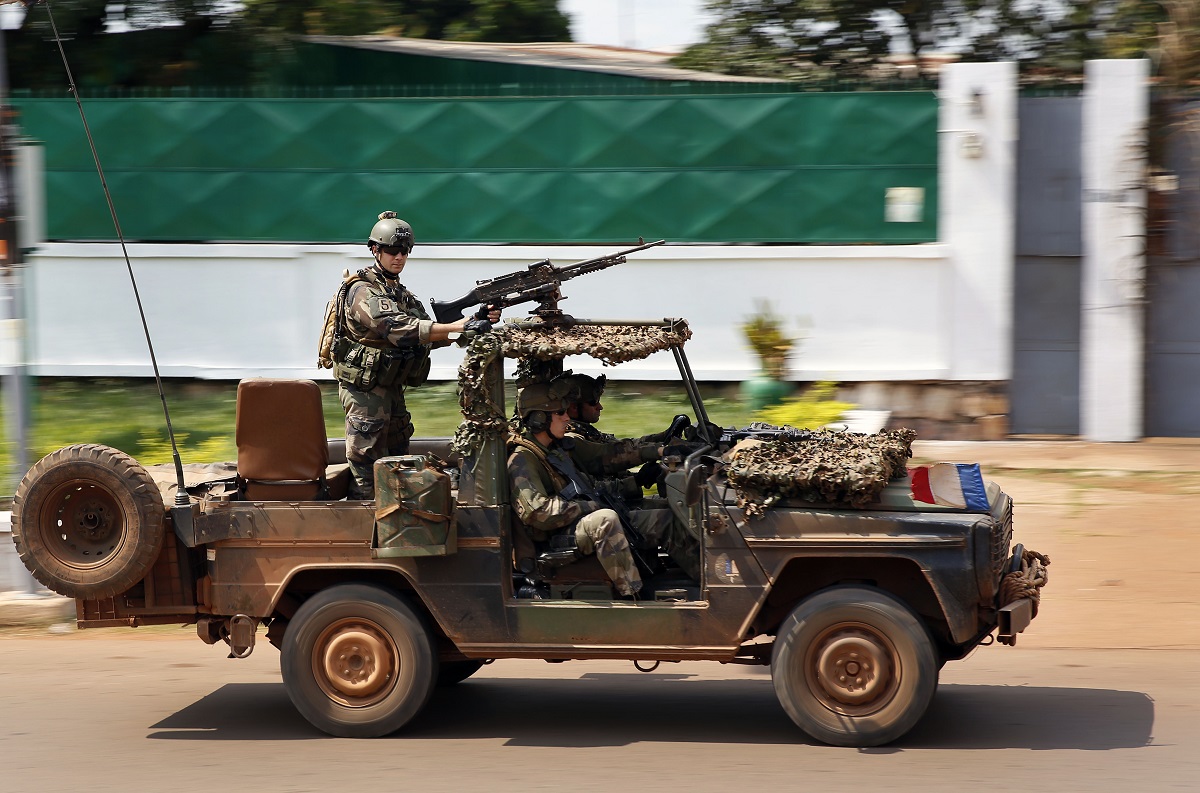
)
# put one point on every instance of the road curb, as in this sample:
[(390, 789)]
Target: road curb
[(19, 609)]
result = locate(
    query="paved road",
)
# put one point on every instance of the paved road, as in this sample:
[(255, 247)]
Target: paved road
[(158, 713), (1102, 693)]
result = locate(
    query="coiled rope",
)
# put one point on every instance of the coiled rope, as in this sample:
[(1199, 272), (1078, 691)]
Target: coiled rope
[(1026, 582)]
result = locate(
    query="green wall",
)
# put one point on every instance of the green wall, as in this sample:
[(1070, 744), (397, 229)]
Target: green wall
[(757, 168)]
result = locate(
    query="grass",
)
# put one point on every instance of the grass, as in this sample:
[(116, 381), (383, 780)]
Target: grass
[(127, 414)]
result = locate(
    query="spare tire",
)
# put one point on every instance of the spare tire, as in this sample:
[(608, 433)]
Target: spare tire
[(87, 521)]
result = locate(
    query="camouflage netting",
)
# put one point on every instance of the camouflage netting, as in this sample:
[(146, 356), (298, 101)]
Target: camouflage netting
[(831, 467), (541, 350)]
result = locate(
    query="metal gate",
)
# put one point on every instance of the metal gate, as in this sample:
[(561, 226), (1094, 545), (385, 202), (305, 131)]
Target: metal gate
[(1044, 391), (1173, 290)]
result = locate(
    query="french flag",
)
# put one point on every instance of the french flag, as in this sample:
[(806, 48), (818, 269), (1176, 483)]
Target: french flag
[(950, 484)]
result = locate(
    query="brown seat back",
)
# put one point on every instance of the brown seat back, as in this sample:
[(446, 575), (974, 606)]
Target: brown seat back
[(280, 436)]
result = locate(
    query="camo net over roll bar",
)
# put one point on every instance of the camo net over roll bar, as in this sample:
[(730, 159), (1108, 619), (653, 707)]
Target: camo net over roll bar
[(540, 347), (824, 467)]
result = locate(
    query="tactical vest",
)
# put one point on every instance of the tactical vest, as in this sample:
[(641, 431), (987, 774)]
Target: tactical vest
[(366, 363)]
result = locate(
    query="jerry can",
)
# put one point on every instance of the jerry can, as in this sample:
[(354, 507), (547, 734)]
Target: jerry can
[(414, 513)]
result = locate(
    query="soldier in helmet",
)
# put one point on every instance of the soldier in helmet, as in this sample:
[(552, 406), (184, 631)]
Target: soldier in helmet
[(601, 453), (385, 347), (550, 495)]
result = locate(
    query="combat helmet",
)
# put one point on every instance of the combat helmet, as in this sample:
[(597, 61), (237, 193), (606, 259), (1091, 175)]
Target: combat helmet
[(541, 398), (585, 388), (391, 230)]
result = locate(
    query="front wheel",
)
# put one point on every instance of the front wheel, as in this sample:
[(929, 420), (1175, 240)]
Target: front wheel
[(853, 666), (357, 661)]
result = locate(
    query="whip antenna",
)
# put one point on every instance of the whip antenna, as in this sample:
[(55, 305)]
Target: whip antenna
[(181, 496)]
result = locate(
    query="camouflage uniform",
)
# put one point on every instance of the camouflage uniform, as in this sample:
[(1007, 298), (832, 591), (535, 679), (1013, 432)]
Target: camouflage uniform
[(381, 312), (535, 497), (608, 458)]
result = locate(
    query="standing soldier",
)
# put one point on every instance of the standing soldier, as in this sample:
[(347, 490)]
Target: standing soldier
[(383, 347)]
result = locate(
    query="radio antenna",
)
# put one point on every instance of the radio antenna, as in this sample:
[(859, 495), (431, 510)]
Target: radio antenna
[(182, 502)]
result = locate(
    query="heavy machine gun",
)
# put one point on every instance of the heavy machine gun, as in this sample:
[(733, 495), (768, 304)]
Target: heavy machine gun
[(539, 282)]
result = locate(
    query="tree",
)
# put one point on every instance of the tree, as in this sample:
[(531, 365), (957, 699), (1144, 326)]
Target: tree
[(226, 43), (463, 20), (850, 38)]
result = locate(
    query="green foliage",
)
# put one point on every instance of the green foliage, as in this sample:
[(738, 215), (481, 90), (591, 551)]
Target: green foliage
[(811, 410), (127, 415), (219, 43), (815, 40), (764, 332)]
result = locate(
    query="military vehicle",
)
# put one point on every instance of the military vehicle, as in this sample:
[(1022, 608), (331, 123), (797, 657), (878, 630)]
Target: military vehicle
[(372, 604)]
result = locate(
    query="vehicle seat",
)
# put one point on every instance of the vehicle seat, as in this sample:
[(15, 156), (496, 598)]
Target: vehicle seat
[(282, 452), (542, 563)]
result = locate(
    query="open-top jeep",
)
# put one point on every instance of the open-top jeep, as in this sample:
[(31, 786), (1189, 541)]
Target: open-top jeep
[(817, 562)]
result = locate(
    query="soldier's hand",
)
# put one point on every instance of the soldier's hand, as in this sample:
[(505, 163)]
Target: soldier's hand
[(648, 474), (476, 325)]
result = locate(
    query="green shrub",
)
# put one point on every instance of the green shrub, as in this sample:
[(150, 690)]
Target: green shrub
[(811, 410)]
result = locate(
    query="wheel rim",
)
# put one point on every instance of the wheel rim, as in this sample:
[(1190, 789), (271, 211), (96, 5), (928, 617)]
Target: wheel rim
[(355, 662), (853, 669), (82, 524)]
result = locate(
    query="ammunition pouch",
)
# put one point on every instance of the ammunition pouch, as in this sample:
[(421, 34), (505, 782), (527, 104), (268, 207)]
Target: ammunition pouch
[(418, 370), (364, 366)]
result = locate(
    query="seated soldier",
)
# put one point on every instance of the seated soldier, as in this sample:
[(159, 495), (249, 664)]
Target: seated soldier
[(600, 453), (585, 411), (550, 496)]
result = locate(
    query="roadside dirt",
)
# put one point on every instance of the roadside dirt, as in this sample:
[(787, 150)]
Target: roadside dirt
[(1117, 522)]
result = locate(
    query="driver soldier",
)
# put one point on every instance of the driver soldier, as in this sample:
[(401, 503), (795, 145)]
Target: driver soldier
[(385, 347)]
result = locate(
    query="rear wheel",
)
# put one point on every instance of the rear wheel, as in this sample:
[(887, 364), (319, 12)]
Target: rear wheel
[(853, 666), (357, 661), (88, 521)]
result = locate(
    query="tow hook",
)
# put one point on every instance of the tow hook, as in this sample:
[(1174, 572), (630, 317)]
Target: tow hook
[(241, 636)]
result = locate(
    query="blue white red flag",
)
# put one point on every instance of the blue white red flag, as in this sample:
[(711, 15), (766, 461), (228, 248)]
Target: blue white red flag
[(950, 484)]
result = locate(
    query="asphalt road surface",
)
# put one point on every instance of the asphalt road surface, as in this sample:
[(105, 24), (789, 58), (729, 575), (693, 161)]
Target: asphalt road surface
[(164, 712), (1102, 693)]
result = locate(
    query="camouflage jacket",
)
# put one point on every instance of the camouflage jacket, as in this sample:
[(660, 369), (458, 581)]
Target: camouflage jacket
[(588, 432), (607, 458), (381, 309), (535, 487)]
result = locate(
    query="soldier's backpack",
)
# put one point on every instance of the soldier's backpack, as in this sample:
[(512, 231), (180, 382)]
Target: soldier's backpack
[(334, 317)]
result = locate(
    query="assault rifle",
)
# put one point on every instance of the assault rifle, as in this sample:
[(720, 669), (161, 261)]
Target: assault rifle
[(539, 282)]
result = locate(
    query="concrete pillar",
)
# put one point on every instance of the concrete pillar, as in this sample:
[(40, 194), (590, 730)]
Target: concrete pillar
[(1112, 348), (977, 128)]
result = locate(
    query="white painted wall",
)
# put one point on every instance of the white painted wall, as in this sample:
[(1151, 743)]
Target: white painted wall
[(1112, 344), (919, 312)]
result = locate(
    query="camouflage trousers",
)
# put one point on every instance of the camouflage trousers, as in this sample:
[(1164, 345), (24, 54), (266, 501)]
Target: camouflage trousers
[(377, 425), (600, 532), (660, 529)]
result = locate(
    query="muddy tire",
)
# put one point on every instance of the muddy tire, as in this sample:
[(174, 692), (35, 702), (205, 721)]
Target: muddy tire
[(87, 521), (853, 666), (358, 661), (451, 673)]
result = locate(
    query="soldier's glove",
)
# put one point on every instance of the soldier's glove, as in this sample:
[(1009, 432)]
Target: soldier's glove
[(477, 326), (677, 450), (648, 474)]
